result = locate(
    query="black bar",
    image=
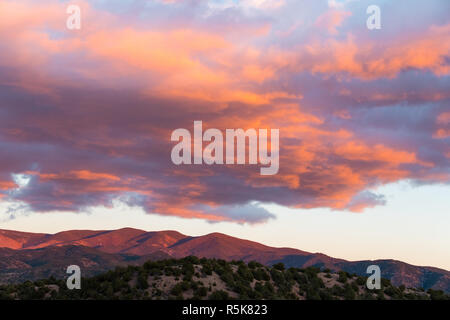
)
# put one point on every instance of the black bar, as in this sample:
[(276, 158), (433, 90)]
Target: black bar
[(232, 309)]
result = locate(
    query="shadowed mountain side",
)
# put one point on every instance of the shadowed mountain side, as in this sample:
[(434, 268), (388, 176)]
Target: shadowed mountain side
[(403, 273), (32, 264), (310, 260)]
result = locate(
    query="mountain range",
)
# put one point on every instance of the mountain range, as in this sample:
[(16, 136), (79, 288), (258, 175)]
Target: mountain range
[(31, 256)]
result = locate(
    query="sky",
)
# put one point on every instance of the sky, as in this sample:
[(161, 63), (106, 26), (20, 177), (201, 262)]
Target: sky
[(86, 118)]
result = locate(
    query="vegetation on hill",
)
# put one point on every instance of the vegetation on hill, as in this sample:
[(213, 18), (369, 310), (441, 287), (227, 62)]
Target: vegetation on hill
[(194, 278)]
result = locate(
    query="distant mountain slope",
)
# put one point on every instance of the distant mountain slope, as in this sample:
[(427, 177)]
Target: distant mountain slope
[(125, 240), (125, 243), (403, 273), (218, 245), (17, 240)]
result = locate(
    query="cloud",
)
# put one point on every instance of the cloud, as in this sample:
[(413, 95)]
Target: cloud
[(249, 213), (330, 20), (339, 3), (87, 116), (366, 199)]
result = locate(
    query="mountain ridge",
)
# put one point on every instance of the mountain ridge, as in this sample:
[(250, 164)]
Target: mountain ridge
[(129, 244)]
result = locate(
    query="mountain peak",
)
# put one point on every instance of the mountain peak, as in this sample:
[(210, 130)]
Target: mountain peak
[(170, 243)]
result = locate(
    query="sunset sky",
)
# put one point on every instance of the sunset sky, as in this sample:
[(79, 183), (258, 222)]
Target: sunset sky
[(86, 118)]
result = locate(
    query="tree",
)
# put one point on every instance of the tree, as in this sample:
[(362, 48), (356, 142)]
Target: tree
[(142, 282), (349, 293), (279, 266)]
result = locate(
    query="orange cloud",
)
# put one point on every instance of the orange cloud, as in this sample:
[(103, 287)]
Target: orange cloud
[(117, 88), (358, 151), (332, 19), (443, 118), (79, 174), (7, 185)]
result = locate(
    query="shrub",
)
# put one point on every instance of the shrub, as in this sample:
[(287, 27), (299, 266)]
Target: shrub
[(176, 290), (245, 273), (207, 269), (219, 295), (312, 294), (201, 292), (277, 277), (254, 265), (142, 282), (279, 266), (361, 281), (437, 295), (342, 277), (349, 293)]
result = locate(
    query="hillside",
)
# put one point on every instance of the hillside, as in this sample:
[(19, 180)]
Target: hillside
[(102, 250), (194, 278), (21, 265)]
